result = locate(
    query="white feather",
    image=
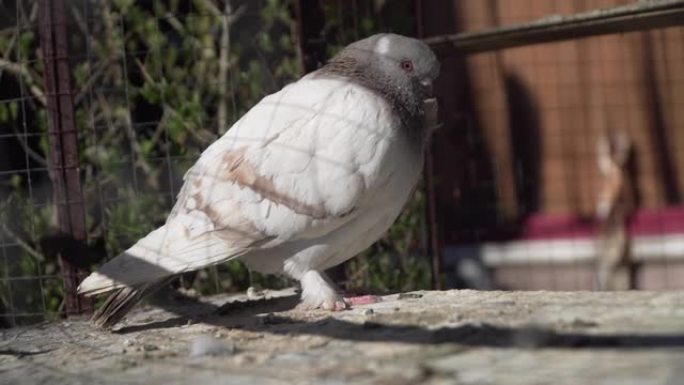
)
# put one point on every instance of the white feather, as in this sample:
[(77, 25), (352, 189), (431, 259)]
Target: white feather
[(163, 252), (337, 173)]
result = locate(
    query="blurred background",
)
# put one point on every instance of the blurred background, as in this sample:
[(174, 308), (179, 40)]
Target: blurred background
[(557, 166)]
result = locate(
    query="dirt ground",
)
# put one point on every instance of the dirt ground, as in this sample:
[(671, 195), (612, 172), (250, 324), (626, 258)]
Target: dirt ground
[(450, 337)]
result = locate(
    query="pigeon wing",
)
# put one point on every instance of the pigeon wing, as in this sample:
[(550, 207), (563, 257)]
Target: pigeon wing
[(297, 165)]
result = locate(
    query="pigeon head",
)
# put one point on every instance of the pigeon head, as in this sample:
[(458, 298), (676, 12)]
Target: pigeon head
[(400, 68), (402, 61)]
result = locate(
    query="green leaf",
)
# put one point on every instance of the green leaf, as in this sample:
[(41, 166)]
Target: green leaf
[(13, 110)]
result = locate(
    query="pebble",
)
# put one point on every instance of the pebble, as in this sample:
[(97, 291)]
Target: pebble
[(253, 293), (149, 347), (272, 319), (206, 345), (581, 323), (410, 296), (244, 359), (368, 312)]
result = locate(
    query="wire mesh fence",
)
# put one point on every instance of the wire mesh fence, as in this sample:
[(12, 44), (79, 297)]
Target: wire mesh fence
[(140, 125), (153, 83), (530, 142)]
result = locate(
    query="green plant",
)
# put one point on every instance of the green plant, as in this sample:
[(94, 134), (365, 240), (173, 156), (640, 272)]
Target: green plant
[(156, 83)]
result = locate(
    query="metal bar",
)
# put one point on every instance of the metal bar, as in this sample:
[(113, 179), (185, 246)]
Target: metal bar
[(432, 223), (309, 32), (63, 159), (639, 16)]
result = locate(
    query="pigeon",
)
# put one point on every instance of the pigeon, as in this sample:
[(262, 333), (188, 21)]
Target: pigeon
[(308, 178)]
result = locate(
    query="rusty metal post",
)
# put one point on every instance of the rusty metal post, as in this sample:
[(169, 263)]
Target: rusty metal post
[(63, 159), (309, 25)]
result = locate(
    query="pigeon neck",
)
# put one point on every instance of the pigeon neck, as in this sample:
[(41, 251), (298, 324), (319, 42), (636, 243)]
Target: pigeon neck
[(403, 100)]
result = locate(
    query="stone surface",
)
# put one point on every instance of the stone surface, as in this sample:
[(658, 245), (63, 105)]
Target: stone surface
[(451, 337)]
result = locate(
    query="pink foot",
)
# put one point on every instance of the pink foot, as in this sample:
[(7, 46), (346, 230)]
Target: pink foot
[(362, 300)]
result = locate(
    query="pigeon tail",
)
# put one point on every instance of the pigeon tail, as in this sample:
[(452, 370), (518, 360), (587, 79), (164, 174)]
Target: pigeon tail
[(147, 266), (162, 253), (119, 303)]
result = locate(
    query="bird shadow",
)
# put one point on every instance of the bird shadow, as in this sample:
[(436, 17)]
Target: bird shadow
[(273, 315), (189, 309), (265, 316)]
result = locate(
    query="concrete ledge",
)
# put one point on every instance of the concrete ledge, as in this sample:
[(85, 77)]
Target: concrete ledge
[(464, 337)]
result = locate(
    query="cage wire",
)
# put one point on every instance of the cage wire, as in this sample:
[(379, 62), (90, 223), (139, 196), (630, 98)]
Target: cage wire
[(24, 280), (533, 139), (154, 83), (559, 168)]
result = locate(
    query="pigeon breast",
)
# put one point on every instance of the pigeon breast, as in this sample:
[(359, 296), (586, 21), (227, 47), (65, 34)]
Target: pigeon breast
[(312, 174)]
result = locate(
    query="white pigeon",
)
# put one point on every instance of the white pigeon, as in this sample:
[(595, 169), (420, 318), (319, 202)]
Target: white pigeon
[(308, 178)]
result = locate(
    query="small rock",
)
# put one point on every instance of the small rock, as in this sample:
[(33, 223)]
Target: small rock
[(410, 295), (581, 323), (192, 293), (367, 312), (150, 347), (253, 293), (272, 319), (206, 345), (244, 359), (128, 342)]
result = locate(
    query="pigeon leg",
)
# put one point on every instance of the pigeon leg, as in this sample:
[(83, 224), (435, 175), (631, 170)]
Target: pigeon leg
[(319, 292)]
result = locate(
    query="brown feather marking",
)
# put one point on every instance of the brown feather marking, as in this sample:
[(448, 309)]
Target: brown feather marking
[(242, 173), (241, 234), (238, 231)]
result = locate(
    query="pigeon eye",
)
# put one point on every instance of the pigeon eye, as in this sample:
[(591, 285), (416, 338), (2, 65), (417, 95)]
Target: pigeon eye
[(407, 65)]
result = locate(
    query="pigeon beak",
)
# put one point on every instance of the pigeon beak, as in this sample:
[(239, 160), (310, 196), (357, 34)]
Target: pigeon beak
[(427, 86)]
